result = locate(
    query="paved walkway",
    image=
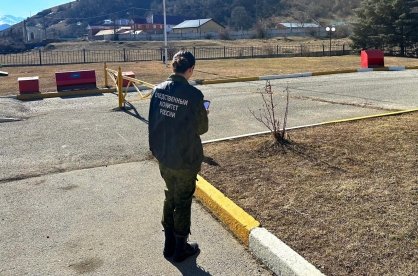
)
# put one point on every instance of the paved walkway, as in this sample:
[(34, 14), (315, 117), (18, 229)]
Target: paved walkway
[(105, 221), (80, 194)]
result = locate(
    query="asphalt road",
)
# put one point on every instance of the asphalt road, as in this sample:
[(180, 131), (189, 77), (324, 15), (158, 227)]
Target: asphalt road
[(80, 193)]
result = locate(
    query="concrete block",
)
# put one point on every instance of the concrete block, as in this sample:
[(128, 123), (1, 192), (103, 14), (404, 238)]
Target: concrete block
[(279, 257)]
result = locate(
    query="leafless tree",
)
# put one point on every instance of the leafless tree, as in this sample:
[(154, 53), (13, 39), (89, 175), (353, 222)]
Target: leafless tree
[(269, 114)]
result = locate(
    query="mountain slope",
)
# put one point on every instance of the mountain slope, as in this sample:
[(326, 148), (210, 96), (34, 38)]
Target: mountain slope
[(8, 20)]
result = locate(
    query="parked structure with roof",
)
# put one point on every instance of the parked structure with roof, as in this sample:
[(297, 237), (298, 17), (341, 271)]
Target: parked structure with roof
[(293, 28), (154, 24), (207, 25), (106, 24)]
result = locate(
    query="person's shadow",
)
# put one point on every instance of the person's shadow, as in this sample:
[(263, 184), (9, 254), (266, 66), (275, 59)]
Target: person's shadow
[(190, 267)]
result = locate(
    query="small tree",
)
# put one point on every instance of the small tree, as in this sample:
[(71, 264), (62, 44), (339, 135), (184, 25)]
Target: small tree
[(269, 115), (260, 30), (239, 18)]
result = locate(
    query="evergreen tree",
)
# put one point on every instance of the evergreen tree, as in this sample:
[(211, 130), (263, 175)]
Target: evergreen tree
[(387, 23), (239, 18)]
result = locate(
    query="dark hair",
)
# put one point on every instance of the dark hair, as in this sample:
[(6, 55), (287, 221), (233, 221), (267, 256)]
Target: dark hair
[(182, 61)]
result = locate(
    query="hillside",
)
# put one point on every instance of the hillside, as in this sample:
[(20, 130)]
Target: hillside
[(69, 21), (8, 20)]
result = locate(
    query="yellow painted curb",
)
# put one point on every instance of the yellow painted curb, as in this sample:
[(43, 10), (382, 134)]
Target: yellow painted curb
[(233, 216), (334, 72), (371, 116), (411, 67), (230, 80), (38, 96)]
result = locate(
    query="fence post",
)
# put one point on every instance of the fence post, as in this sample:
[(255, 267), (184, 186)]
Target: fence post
[(40, 57), (252, 51), (343, 49), (194, 51), (277, 50), (323, 50), (301, 50), (124, 54), (105, 75), (84, 55), (224, 51)]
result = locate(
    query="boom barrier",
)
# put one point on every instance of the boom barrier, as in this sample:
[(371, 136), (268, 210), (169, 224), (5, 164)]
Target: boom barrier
[(117, 77)]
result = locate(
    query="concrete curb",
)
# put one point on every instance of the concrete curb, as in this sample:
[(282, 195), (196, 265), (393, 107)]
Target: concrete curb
[(205, 82), (302, 75), (233, 216), (286, 76), (76, 93), (274, 253), (411, 67), (279, 257), (313, 125)]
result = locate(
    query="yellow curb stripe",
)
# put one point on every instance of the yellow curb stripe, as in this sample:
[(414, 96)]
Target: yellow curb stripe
[(411, 67), (334, 72), (233, 216), (230, 80), (371, 116), (37, 96)]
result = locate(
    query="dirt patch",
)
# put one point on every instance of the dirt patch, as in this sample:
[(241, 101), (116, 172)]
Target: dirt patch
[(344, 196)]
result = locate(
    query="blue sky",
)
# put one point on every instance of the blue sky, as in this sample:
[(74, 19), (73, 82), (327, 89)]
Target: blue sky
[(26, 8)]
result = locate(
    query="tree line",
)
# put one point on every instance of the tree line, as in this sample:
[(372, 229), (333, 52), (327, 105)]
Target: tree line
[(386, 23), (376, 23)]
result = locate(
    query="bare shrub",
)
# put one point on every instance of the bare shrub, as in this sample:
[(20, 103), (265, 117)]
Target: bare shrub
[(260, 31), (269, 115), (224, 34), (270, 51)]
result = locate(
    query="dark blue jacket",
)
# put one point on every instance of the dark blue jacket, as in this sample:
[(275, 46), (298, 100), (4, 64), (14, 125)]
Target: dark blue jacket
[(176, 119)]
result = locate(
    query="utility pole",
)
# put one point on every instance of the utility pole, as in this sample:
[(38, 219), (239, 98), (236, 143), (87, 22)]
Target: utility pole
[(25, 32), (114, 28), (165, 34), (256, 11)]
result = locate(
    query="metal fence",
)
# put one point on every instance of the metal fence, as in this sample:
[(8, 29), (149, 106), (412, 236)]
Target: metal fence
[(41, 57)]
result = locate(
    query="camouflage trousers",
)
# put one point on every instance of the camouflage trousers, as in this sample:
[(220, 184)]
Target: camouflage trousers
[(180, 187)]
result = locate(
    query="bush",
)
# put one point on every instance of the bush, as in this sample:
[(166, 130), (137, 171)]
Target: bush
[(260, 31), (269, 114), (224, 35)]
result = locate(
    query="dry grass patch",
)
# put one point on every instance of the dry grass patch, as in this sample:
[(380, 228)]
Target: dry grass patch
[(155, 72), (112, 45), (344, 195)]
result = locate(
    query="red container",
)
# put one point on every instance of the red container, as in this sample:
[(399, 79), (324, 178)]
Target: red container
[(372, 59), (28, 85), (72, 80), (127, 74)]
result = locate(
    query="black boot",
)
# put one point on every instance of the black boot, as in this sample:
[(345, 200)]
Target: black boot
[(170, 243), (184, 249)]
